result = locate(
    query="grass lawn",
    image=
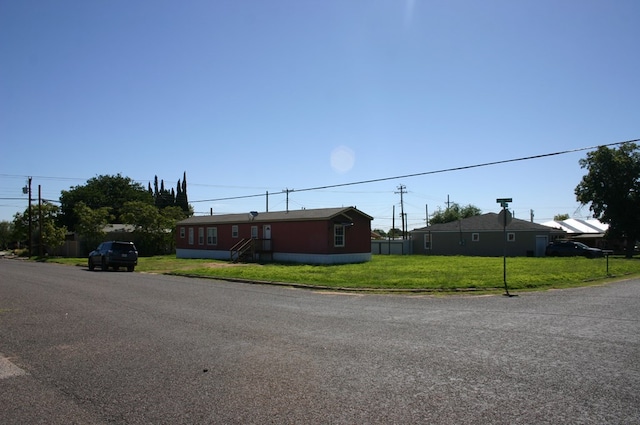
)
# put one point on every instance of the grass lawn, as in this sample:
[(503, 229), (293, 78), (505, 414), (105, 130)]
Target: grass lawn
[(419, 273)]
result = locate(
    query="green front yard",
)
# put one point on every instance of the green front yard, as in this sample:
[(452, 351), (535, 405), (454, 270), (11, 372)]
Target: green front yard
[(420, 273)]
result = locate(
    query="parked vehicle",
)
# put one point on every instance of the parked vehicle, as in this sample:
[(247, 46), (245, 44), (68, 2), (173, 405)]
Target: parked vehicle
[(564, 248), (114, 254)]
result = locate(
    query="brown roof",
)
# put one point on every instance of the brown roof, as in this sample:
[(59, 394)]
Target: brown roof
[(293, 215)]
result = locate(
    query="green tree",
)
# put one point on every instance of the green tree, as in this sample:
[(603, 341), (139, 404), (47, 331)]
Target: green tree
[(611, 187), (560, 217), (91, 222), (169, 218), (6, 234), (163, 197), (394, 233), (154, 228), (49, 234), (182, 200), (453, 213), (381, 232), (102, 191)]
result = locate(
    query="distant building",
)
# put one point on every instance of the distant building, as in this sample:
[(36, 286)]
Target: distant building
[(590, 231), (76, 246), (484, 235)]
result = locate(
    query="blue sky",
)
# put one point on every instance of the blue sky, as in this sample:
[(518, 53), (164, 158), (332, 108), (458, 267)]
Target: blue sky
[(250, 97)]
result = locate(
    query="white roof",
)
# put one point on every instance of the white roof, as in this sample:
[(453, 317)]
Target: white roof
[(578, 225)]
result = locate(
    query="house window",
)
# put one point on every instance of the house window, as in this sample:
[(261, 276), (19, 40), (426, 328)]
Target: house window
[(511, 237), (427, 241), (200, 235), (475, 237), (338, 235), (234, 231), (182, 233), (190, 235), (254, 232), (212, 236)]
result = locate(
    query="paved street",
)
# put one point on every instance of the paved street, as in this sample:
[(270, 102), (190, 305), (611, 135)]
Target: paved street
[(130, 348)]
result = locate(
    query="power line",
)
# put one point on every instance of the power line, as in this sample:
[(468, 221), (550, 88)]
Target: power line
[(361, 182), (426, 173)]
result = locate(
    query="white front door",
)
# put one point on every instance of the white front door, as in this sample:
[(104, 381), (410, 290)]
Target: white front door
[(266, 235)]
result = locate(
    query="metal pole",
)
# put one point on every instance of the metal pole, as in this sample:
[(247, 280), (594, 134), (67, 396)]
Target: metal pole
[(504, 257), (504, 202), (30, 220)]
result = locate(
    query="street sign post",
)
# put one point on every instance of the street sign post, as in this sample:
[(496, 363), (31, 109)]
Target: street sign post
[(505, 219)]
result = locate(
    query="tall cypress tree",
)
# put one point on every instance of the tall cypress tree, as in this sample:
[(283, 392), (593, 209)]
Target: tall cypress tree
[(165, 198), (181, 194), (178, 194), (156, 196)]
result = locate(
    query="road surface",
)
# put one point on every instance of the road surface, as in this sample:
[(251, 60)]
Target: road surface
[(130, 348)]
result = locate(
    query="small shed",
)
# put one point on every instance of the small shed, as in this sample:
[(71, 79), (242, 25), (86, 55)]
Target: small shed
[(484, 235), (309, 236)]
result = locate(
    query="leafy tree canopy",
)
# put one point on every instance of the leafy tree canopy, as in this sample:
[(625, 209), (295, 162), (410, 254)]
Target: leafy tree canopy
[(171, 198), (52, 235), (560, 217), (453, 213), (91, 223), (394, 233), (155, 228), (611, 187), (102, 191), (6, 234), (380, 232)]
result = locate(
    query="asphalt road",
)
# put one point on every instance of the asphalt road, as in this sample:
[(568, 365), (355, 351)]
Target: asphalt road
[(129, 348)]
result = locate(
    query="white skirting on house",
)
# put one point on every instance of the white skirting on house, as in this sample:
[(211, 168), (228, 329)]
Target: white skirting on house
[(202, 253), (282, 257)]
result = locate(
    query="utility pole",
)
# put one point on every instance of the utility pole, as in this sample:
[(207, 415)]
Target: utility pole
[(40, 220), (393, 223), (287, 190), (426, 211), (30, 219), (402, 191), (267, 196)]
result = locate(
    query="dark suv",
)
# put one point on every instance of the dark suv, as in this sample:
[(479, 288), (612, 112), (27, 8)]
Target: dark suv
[(563, 248), (114, 254)]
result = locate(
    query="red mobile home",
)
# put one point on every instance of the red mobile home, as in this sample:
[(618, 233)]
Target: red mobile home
[(314, 236)]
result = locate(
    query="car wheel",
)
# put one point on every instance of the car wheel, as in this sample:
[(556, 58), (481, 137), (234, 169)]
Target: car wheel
[(104, 265), (130, 268), (91, 266)]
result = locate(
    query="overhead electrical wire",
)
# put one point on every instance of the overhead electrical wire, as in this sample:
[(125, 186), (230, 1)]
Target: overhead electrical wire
[(405, 176), (361, 182)]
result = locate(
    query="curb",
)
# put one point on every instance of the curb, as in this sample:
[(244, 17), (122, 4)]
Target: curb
[(340, 288)]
